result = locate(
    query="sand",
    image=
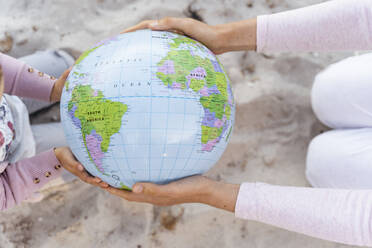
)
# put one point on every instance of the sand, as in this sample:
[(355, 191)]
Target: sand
[(274, 125)]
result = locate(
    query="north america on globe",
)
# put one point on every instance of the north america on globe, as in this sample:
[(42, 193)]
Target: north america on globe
[(147, 106)]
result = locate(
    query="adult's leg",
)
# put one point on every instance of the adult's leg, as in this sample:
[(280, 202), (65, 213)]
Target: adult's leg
[(341, 159), (342, 93), (48, 135), (53, 63)]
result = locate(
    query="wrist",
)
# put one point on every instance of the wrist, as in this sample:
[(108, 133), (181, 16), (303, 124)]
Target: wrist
[(207, 192), (237, 36), (55, 93), (222, 195), (52, 93)]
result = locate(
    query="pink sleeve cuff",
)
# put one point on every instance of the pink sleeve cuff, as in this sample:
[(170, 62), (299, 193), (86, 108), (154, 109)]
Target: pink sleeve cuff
[(24, 81), (246, 204), (21, 179), (29, 175), (45, 167), (261, 32)]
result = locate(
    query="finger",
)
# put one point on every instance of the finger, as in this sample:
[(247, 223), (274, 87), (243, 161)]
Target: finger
[(137, 188), (97, 179), (141, 25), (177, 32), (88, 179), (148, 189), (1, 79), (65, 74), (103, 185), (73, 155), (73, 161), (127, 195), (130, 196), (1, 73), (179, 25), (119, 192)]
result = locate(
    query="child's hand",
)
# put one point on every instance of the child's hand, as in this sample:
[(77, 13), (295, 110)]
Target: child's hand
[(56, 93), (68, 161)]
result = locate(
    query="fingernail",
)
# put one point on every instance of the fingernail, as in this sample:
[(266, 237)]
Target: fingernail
[(80, 167), (154, 24), (137, 188)]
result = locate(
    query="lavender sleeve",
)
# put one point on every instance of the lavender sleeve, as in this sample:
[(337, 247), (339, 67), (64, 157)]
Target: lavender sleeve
[(24, 81), (19, 180), (338, 215), (330, 26)]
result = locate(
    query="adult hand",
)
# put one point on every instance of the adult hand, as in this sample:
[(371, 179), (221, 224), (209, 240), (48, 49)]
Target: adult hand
[(69, 162), (219, 38), (197, 189), (56, 93), (206, 34)]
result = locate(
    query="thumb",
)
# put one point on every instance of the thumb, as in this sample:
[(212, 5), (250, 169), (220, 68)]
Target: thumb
[(159, 25), (187, 26), (137, 188), (1, 77), (169, 23), (66, 73), (70, 158), (63, 77), (146, 188)]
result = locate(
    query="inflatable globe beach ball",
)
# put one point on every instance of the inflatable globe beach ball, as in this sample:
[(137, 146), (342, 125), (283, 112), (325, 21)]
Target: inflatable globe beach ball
[(147, 106)]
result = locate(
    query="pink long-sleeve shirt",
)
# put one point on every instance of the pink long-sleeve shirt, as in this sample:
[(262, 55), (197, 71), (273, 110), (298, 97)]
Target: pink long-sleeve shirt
[(338, 215), (20, 179)]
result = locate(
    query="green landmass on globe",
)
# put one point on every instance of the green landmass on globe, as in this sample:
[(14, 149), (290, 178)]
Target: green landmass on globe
[(99, 119)]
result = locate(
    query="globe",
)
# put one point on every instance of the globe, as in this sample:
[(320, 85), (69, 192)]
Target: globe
[(147, 106)]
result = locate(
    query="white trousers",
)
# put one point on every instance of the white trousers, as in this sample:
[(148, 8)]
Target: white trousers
[(342, 99)]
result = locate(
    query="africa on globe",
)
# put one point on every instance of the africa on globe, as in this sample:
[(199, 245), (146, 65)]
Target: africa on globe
[(147, 106)]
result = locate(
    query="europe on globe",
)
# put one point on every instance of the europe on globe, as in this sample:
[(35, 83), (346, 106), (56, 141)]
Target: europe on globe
[(147, 106)]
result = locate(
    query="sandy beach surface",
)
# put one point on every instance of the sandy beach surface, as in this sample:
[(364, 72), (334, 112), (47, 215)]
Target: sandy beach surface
[(274, 125)]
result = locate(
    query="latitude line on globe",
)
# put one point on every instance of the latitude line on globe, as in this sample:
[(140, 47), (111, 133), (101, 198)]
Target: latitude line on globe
[(116, 97)]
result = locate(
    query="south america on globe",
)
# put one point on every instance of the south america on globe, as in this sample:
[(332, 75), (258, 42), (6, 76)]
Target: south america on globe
[(147, 106)]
